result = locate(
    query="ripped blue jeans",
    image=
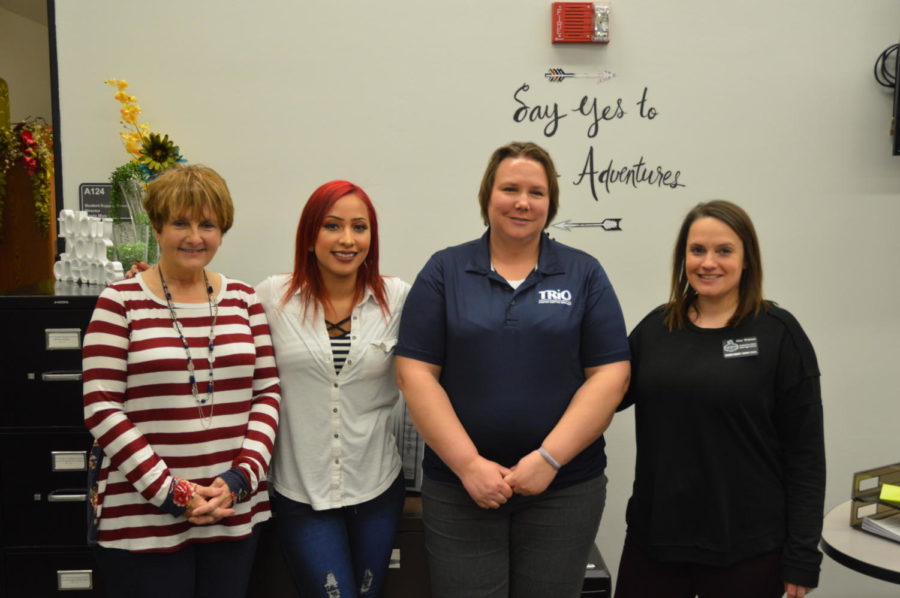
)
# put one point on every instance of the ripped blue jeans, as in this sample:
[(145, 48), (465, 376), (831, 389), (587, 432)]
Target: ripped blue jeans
[(339, 553)]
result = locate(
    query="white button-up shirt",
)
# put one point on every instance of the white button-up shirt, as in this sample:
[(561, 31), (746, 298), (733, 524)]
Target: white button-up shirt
[(335, 445)]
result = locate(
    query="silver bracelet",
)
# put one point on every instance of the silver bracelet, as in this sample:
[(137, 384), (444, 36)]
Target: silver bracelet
[(549, 458)]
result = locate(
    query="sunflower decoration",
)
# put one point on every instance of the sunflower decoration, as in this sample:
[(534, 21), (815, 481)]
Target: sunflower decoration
[(153, 152), (158, 153)]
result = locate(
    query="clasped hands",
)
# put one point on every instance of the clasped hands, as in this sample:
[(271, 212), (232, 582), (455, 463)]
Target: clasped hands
[(210, 503), (491, 484)]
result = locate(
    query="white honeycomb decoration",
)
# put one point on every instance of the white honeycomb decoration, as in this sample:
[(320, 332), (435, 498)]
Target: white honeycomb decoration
[(90, 256)]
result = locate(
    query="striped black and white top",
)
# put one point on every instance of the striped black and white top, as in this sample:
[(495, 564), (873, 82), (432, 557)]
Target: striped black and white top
[(340, 342)]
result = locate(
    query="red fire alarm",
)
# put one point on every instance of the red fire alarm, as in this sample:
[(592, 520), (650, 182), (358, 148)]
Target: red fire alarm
[(581, 22)]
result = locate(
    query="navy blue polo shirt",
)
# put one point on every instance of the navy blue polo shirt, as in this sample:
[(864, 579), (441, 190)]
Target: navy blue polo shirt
[(512, 359)]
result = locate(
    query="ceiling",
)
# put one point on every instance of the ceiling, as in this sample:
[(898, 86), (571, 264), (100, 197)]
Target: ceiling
[(34, 10)]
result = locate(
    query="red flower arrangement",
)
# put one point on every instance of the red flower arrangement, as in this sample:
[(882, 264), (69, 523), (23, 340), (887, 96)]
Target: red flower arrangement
[(31, 143), (29, 156)]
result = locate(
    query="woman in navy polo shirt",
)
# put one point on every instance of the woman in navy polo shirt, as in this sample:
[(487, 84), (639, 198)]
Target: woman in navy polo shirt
[(512, 358)]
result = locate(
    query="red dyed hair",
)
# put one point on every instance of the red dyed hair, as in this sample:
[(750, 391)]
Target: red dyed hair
[(307, 278)]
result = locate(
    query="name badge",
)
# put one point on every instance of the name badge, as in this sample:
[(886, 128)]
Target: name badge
[(740, 347)]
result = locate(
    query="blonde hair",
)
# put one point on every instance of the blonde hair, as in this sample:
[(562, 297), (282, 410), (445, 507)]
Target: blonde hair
[(192, 190)]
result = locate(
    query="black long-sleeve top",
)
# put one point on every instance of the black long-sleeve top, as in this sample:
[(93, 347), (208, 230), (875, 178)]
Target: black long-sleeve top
[(730, 444)]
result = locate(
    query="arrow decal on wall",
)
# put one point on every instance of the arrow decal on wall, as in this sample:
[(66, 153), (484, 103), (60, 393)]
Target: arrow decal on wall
[(558, 75), (607, 224)]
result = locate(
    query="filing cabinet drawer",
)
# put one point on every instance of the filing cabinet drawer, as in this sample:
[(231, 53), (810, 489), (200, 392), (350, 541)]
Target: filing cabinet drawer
[(41, 371), (44, 475), (41, 573)]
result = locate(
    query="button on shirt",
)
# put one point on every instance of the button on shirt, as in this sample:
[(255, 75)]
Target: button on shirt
[(336, 444), (511, 359)]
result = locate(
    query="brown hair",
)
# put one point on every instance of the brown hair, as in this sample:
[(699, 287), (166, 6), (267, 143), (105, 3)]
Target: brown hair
[(189, 190), (517, 149), (682, 295)]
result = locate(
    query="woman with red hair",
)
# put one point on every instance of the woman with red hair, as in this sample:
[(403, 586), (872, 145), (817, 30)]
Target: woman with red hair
[(336, 474)]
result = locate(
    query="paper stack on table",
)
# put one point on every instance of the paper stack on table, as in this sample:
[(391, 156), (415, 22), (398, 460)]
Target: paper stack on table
[(887, 527)]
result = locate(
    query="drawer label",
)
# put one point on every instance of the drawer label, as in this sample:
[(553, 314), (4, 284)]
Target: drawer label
[(75, 580), (63, 338), (69, 460)]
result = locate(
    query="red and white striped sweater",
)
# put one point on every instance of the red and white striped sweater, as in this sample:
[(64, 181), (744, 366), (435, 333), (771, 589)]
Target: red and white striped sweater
[(139, 407)]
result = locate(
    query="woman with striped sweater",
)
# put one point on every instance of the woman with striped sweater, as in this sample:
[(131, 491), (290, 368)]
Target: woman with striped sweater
[(181, 392)]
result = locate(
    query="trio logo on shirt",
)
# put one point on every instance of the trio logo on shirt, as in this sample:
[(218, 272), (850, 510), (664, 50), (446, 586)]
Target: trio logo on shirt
[(559, 297)]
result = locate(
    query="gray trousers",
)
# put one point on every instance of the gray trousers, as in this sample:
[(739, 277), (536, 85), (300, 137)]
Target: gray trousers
[(531, 547)]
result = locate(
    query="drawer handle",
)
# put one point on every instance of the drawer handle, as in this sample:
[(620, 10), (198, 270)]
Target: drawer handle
[(61, 376), (66, 496)]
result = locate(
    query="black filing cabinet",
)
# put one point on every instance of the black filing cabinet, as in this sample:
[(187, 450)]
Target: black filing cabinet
[(43, 509)]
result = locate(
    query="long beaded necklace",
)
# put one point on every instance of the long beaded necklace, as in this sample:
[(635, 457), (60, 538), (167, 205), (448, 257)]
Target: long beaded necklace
[(213, 314)]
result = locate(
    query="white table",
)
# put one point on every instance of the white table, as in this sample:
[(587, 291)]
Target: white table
[(861, 551)]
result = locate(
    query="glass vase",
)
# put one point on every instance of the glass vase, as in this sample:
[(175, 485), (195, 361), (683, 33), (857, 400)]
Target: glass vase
[(132, 236)]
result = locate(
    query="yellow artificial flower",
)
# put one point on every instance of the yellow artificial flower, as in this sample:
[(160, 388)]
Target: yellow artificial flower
[(154, 152), (133, 143), (121, 84), (130, 113), (125, 98)]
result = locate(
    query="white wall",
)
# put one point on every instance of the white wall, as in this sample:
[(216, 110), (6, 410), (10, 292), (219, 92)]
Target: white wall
[(770, 104), (25, 64)]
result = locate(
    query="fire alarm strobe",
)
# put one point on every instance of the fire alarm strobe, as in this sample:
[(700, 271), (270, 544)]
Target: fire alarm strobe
[(581, 22)]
